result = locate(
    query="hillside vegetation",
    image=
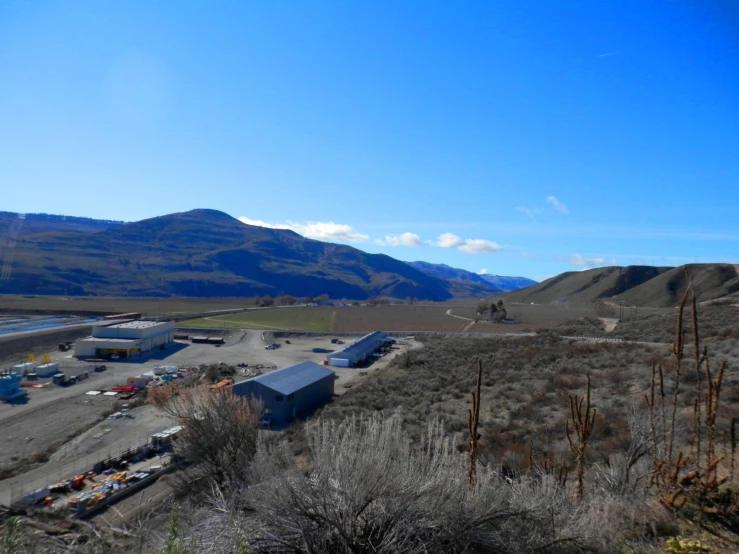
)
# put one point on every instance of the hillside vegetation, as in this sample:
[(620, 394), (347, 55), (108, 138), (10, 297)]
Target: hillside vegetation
[(658, 287), (206, 253)]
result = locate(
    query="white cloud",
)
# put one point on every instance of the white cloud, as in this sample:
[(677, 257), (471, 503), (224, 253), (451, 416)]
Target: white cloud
[(580, 261), (470, 246), (406, 239), (483, 272), (259, 223), (319, 230), (329, 231), (480, 246), (561, 208), (449, 240)]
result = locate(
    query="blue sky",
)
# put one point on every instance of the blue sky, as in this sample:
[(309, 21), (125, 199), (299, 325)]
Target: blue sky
[(520, 138)]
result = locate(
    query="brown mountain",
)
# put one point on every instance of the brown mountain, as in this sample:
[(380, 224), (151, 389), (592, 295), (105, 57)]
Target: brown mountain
[(207, 253), (658, 287), (710, 281)]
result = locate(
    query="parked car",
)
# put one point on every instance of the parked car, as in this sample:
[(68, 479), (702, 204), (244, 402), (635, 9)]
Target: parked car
[(270, 347)]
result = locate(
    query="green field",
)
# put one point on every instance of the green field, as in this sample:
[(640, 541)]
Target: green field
[(288, 319)]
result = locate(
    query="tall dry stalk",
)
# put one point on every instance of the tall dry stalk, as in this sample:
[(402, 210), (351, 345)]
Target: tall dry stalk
[(474, 418), (582, 422), (678, 350), (680, 479), (732, 438), (713, 391)]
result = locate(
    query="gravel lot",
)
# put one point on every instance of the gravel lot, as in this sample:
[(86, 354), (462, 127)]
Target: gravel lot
[(65, 423)]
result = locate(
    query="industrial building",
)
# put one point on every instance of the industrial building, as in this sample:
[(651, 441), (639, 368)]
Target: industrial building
[(356, 353), (125, 340), (292, 392)]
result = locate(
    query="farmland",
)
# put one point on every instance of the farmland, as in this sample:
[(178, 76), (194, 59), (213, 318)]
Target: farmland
[(397, 318), (343, 320), (108, 305), (442, 318), (288, 319)]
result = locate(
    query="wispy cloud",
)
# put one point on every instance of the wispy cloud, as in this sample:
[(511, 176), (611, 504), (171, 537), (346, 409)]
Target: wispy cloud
[(557, 205), (529, 212), (319, 230), (576, 260), (406, 239), (483, 272), (608, 54), (469, 246)]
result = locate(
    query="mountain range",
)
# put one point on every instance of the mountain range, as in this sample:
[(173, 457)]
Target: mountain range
[(200, 253), (500, 282), (658, 287), (207, 253)]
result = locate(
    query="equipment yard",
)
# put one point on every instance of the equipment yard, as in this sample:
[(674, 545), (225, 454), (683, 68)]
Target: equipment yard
[(60, 431)]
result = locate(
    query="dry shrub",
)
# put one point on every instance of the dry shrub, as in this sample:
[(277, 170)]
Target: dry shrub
[(219, 434), (369, 489)]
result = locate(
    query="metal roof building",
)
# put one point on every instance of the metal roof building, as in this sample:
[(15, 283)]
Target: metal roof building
[(125, 339), (292, 392), (355, 353)]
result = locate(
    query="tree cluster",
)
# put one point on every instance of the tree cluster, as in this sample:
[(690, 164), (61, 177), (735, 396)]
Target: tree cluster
[(495, 311)]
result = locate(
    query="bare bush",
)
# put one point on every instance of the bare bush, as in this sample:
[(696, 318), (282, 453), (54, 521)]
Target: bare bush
[(219, 434)]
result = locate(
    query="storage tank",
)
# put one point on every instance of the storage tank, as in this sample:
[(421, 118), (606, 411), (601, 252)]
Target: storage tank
[(47, 370)]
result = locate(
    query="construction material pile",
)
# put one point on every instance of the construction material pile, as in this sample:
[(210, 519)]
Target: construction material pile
[(107, 487)]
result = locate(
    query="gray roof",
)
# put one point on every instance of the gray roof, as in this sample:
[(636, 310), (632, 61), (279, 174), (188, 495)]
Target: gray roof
[(359, 347), (293, 378)]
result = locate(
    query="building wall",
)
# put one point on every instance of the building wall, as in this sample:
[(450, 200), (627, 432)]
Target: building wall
[(303, 402), (144, 340)]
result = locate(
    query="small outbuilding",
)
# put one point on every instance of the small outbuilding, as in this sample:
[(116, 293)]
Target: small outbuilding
[(292, 392), (357, 352)]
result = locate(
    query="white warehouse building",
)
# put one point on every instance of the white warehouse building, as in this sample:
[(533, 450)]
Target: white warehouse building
[(357, 352), (125, 340)]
